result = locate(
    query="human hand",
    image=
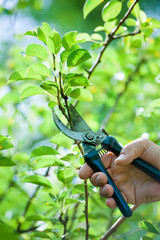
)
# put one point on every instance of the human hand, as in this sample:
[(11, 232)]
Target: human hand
[(135, 186)]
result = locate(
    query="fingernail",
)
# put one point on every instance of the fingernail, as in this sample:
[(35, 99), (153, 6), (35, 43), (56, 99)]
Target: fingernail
[(120, 158)]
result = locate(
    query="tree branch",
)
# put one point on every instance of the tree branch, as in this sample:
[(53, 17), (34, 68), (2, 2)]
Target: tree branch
[(86, 209), (110, 38), (126, 35), (116, 225), (129, 80)]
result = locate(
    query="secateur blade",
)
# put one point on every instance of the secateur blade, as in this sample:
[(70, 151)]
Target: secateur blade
[(80, 125), (70, 133)]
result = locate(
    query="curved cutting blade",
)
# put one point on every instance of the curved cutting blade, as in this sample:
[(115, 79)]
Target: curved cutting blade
[(72, 134)]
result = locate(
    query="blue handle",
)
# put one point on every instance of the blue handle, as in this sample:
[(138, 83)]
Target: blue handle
[(93, 160), (112, 145)]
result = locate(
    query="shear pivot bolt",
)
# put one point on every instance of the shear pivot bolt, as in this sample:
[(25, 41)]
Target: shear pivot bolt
[(89, 136)]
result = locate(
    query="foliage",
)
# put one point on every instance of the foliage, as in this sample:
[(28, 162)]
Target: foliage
[(114, 80)]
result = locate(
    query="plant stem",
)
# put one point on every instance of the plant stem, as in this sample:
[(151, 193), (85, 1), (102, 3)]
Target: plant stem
[(86, 209), (116, 225), (110, 37)]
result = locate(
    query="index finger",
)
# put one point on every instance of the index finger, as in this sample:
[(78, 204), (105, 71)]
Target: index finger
[(86, 171)]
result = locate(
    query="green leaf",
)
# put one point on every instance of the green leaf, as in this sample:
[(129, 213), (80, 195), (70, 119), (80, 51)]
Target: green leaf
[(38, 234), (62, 140), (5, 162), (69, 157), (153, 23), (148, 226), (77, 57), (130, 22), (90, 5), (154, 104), (36, 50), (82, 37), (81, 95), (20, 74), (3, 139), (7, 232), (109, 25), (36, 217), (51, 88), (99, 28), (38, 69), (46, 161), (146, 238), (31, 33), (31, 91), (43, 32), (43, 150), (96, 37), (52, 104), (64, 55), (54, 42), (69, 201), (111, 10), (142, 16), (69, 39), (75, 79), (65, 175), (38, 180)]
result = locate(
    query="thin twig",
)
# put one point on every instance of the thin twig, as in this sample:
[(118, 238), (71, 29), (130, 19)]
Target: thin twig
[(116, 225), (129, 80), (110, 38), (126, 35), (86, 209)]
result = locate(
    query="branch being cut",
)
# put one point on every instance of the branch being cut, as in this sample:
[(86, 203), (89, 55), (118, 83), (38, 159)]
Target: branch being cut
[(116, 225)]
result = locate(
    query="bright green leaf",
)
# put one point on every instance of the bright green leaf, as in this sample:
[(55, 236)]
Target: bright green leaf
[(69, 157), (62, 140), (90, 5), (38, 180), (43, 150), (75, 79), (38, 234), (148, 226), (43, 32), (38, 68), (111, 10), (142, 16), (51, 88), (81, 95), (69, 39), (20, 74), (31, 91), (69, 201), (54, 42), (153, 23), (64, 55), (36, 217), (136, 10), (130, 22), (82, 37), (109, 25), (99, 28), (36, 50), (5, 162), (65, 175), (52, 104), (96, 37), (77, 57), (46, 161), (31, 33)]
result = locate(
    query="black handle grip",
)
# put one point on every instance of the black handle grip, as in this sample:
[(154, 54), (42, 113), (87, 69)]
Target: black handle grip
[(93, 160), (112, 144)]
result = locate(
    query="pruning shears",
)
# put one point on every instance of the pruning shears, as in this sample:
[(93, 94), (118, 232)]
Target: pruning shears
[(90, 140)]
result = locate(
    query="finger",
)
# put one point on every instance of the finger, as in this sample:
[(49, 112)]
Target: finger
[(132, 150), (111, 203), (86, 171), (106, 191), (98, 179)]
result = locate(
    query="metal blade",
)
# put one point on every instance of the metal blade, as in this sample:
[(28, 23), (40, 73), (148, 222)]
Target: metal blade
[(72, 134), (78, 122), (80, 125)]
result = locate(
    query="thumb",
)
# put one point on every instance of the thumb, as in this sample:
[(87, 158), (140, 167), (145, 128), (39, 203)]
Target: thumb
[(131, 151)]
